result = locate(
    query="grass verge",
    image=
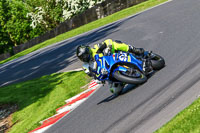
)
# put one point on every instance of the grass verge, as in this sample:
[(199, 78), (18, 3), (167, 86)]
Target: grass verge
[(187, 121), (90, 26), (39, 98)]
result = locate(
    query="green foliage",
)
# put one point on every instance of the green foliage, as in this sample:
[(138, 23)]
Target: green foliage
[(5, 40), (15, 26), (18, 24)]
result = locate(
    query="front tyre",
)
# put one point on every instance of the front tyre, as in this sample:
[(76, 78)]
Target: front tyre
[(157, 61), (134, 78)]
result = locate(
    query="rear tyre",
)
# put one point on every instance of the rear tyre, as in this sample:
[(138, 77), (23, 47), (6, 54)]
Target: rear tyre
[(157, 61), (136, 78)]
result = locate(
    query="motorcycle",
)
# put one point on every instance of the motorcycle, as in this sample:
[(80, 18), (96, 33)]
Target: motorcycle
[(123, 68)]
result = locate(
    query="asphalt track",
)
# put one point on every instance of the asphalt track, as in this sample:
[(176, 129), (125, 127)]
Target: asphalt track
[(171, 30)]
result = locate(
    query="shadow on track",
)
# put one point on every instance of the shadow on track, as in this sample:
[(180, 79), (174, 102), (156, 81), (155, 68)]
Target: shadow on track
[(125, 90)]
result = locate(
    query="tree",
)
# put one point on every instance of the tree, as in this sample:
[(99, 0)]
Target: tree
[(5, 41), (15, 25)]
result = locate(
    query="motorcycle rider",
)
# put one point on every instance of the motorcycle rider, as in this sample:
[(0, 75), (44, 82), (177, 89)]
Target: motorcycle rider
[(86, 54)]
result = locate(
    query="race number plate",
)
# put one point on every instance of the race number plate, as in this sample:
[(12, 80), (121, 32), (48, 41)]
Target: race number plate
[(123, 57)]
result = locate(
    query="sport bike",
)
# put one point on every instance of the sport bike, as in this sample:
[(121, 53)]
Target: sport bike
[(126, 68)]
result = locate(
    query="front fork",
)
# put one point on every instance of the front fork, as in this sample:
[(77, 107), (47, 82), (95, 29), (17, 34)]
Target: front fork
[(146, 65)]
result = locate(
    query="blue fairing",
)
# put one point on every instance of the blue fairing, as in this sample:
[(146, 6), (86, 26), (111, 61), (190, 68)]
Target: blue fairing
[(105, 64), (120, 68)]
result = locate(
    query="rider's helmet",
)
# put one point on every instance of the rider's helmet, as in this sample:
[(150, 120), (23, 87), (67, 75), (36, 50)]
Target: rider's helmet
[(83, 53)]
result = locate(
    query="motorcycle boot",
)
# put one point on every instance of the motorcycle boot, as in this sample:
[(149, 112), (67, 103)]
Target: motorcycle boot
[(137, 51), (116, 88)]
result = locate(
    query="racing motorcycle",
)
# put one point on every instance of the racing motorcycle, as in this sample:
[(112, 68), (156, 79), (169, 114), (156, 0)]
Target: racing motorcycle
[(123, 68)]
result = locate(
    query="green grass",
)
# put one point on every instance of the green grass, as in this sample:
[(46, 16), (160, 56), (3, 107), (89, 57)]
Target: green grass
[(98, 23), (39, 98), (187, 121)]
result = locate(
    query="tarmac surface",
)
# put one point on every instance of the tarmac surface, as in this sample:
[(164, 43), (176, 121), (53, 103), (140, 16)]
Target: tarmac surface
[(171, 30)]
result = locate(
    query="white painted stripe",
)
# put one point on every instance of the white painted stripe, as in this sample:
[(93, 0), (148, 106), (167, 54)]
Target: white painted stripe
[(93, 84), (69, 100), (71, 107), (42, 129), (41, 122), (94, 87)]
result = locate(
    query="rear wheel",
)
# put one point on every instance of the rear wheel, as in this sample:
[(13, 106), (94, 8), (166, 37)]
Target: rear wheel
[(131, 77), (157, 61)]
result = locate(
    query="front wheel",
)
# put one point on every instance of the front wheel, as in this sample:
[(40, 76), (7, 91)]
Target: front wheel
[(135, 77)]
